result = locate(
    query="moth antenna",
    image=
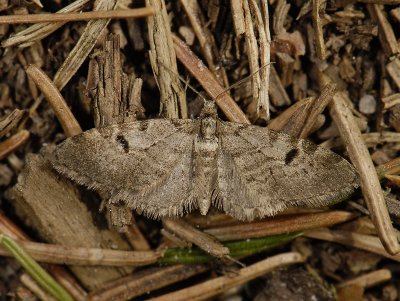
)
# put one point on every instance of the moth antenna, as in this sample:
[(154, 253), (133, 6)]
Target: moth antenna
[(184, 81), (241, 81)]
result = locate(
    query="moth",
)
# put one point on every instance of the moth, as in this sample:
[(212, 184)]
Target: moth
[(162, 167)]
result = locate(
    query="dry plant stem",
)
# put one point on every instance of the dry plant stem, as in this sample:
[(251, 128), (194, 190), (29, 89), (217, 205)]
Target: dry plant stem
[(84, 46), (265, 49), (10, 121), (58, 254), (253, 57), (238, 18), (31, 284), (318, 30), (39, 31), (56, 101), (361, 159), (84, 16), (213, 287), (204, 241), (360, 241), (14, 142), (262, 23), (163, 62), (386, 34), (144, 282), (196, 67), (319, 105), (280, 225), (368, 280), (205, 38), (8, 228)]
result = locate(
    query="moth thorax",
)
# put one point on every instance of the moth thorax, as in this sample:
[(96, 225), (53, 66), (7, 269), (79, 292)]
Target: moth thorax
[(208, 128)]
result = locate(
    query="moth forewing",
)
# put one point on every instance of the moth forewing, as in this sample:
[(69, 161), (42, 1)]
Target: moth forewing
[(165, 167)]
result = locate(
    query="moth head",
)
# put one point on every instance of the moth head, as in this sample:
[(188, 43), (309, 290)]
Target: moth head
[(209, 109)]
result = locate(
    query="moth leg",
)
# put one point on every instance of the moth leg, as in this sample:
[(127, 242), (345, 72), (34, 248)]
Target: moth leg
[(118, 215)]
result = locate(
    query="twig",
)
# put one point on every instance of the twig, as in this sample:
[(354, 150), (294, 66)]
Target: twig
[(361, 159), (144, 281), (360, 241), (84, 16), (162, 53), (13, 143), (280, 225), (51, 253), (202, 240), (213, 287), (318, 29), (196, 67), (368, 280), (68, 122)]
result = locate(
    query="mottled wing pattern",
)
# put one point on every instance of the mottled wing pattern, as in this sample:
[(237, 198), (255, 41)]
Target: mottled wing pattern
[(144, 165), (262, 172)]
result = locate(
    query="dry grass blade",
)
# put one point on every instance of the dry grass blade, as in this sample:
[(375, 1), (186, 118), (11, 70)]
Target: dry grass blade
[(59, 254), (73, 17), (280, 225), (368, 280), (360, 241), (213, 287), (13, 143), (10, 121), (317, 9), (209, 83), (144, 282), (361, 159), (57, 102), (204, 241), (39, 31), (88, 39)]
